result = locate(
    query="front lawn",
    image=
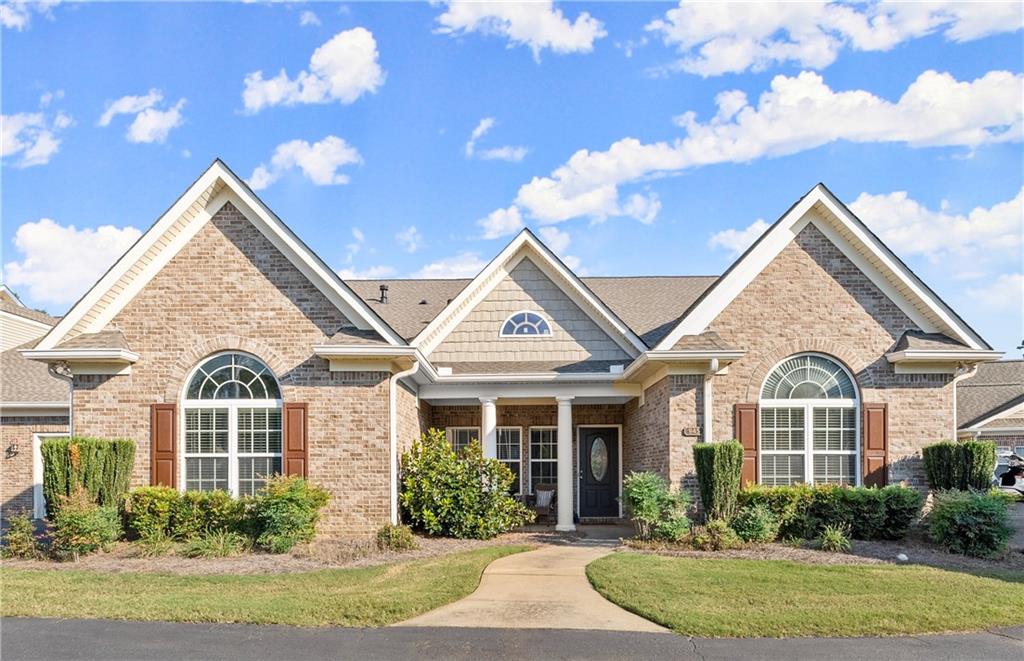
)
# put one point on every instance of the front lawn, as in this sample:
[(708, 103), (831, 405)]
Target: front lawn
[(750, 598), (372, 596)]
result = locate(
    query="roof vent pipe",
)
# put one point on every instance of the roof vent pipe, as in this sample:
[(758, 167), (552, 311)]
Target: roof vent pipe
[(383, 293)]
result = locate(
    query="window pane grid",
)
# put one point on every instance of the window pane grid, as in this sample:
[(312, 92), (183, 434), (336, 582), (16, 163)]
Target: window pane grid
[(254, 471), (782, 429), (206, 431), (509, 449), (461, 437), (543, 457), (834, 429), (782, 469), (206, 473)]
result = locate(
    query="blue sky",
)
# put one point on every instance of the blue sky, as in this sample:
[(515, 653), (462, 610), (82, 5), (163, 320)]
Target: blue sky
[(636, 138)]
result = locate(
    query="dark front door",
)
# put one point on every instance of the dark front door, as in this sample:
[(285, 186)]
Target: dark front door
[(599, 471)]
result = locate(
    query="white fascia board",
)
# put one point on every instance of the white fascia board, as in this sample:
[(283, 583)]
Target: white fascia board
[(31, 409), (528, 390), (25, 320), (532, 377), (484, 283), (362, 352), (940, 356), (661, 358), (81, 355)]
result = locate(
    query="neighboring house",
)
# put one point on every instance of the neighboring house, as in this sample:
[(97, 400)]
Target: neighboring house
[(990, 405), (228, 350), (33, 404)]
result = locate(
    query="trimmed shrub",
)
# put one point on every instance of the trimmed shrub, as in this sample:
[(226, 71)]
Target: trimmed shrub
[(216, 544), (102, 468), (970, 523), (835, 539), (148, 511), (716, 535), (464, 495), (867, 513), (198, 513), (395, 538), (959, 465), (81, 526), (656, 511), (19, 539), (718, 474), (284, 513), (756, 523)]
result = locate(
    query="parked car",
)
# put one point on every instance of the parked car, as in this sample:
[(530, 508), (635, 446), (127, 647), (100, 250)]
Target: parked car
[(1009, 472)]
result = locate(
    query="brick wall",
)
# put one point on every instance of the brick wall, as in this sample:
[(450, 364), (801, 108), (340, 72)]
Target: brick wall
[(16, 467), (811, 297), (230, 289)]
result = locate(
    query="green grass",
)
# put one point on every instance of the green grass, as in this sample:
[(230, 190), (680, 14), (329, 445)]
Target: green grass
[(748, 598), (372, 596)]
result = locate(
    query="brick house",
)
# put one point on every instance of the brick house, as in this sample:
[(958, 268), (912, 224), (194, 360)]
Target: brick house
[(228, 350)]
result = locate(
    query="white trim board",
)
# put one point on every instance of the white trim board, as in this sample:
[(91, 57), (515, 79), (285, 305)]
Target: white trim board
[(203, 199), (857, 242), (526, 245)]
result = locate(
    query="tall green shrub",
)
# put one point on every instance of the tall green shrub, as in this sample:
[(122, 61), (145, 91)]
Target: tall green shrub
[(284, 513), (101, 467), (657, 512), (971, 523), (718, 474), (959, 465), (464, 495)]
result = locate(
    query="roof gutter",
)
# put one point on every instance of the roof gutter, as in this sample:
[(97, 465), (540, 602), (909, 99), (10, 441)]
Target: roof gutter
[(942, 356)]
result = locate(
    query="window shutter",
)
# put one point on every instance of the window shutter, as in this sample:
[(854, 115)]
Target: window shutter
[(746, 434), (296, 444), (875, 448), (163, 445)]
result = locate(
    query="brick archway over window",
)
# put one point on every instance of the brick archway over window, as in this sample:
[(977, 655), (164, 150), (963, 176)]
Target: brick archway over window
[(192, 357), (776, 354)]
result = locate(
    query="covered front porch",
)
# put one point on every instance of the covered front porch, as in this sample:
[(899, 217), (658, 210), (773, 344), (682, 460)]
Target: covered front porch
[(570, 438)]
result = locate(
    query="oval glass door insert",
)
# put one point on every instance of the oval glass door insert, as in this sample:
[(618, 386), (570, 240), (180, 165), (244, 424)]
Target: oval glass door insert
[(598, 459)]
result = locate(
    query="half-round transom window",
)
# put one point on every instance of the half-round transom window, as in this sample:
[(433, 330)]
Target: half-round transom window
[(525, 323), (808, 377), (233, 376)]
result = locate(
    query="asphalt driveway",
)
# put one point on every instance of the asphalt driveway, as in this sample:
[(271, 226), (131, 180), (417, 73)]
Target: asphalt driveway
[(26, 638)]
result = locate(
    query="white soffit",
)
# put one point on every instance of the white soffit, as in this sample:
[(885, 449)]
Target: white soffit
[(526, 245), (820, 208), (174, 229)]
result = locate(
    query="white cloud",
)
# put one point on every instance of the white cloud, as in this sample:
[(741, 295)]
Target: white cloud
[(308, 17), (910, 228), (60, 262), (17, 14), (32, 138), (736, 241), (537, 25), (509, 153), (559, 240), (318, 161), (796, 114), (726, 37), (411, 239), (150, 124), (1005, 293), (46, 98), (342, 69), (371, 273), (352, 249), (644, 208), (463, 265), (501, 222)]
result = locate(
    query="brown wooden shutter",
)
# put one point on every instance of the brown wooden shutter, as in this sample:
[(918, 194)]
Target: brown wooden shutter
[(296, 445), (746, 433), (163, 445), (875, 449)]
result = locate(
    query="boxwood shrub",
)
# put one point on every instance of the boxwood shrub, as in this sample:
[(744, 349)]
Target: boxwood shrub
[(959, 465), (868, 513), (718, 475), (101, 467)]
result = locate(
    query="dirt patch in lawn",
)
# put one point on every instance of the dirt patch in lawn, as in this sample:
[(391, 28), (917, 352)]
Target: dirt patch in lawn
[(321, 554), (863, 553)]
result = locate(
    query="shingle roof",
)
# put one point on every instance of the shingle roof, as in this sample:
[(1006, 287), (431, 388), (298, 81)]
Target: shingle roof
[(706, 341), (914, 339), (105, 339), (649, 305), (995, 388), (27, 380), (349, 335), (528, 367), (27, 313)]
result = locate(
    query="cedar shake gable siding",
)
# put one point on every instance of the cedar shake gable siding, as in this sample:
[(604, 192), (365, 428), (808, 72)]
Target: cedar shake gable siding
[(229, 288)]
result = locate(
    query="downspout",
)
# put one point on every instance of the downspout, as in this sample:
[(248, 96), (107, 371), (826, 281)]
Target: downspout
[(62, 371), (962, 372), (393, 426)]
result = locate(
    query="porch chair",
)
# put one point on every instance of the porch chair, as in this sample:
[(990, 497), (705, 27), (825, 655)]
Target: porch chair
[(544, 496)]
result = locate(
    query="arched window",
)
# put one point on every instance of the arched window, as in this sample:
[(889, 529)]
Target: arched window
[(525, 323), (232, 431), (810, 423)]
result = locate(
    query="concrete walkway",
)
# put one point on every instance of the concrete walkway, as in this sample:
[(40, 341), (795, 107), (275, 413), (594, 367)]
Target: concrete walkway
[(542, 589)]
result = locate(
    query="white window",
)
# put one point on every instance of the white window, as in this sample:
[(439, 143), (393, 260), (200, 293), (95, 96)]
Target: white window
[(543, 456), (509, 452), (809, 423), (461, 437), (232, 425), (525, 324)]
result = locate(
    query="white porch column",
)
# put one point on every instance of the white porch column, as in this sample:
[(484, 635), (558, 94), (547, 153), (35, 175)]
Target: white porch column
[(489, 424), (565, 476)]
